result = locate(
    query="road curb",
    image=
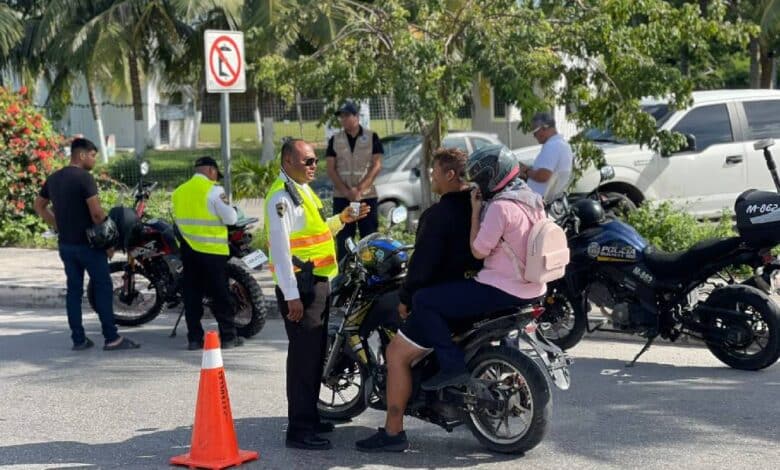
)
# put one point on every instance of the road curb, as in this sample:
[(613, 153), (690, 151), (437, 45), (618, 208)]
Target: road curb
[(32, 297)]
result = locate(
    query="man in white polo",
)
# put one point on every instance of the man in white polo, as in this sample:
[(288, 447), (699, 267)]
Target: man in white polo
[(551, 172)]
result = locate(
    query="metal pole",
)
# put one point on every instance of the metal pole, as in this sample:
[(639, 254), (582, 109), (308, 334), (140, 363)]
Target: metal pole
[(224, 124)]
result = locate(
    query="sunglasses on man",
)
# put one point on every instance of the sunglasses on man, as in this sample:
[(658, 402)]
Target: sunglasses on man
[(311, 161)]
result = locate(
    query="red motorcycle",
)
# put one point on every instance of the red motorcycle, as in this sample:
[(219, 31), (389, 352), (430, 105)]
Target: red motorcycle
[(151, 276)]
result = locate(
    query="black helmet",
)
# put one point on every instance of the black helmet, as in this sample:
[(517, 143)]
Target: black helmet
[(382, 257), (126, 221), (103, 235), (589, 212), (492, 167)]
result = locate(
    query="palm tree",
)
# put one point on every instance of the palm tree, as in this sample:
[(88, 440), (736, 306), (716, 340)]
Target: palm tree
[(11, 31)]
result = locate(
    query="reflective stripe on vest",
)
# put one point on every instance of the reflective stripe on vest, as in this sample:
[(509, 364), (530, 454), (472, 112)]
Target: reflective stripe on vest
[(314, 242), (203, 231)]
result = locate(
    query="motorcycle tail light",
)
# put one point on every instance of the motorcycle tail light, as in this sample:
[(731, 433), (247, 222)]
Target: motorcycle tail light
[(537, 311), (236, 236)]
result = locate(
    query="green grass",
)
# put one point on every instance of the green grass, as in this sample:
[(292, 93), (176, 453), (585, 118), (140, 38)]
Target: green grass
[(244, 134)]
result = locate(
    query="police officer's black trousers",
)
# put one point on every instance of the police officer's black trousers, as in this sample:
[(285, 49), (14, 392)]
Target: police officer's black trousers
[(206, 274), (305, 360)]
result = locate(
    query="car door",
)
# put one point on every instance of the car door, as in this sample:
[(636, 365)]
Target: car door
[(705, 179), (761, 121)]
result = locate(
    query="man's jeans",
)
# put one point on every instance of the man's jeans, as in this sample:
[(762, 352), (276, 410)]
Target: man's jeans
[(77, 259)]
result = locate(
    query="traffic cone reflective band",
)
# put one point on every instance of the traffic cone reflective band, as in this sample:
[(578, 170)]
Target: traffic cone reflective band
[(214, 443)]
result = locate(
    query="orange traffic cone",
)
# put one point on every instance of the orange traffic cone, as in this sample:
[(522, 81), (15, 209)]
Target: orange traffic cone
[(214, 443)]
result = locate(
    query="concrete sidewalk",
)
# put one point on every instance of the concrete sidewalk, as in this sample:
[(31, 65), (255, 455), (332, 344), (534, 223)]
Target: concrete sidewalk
[(34, 278)]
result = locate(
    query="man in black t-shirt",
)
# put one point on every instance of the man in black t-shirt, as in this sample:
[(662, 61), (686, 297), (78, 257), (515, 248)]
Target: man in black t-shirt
[(74, 196)]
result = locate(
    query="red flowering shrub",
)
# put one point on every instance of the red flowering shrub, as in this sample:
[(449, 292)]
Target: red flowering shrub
[(30, 150)]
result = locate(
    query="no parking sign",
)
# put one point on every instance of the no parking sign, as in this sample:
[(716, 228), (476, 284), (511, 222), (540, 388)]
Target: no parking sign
[(225, 68)]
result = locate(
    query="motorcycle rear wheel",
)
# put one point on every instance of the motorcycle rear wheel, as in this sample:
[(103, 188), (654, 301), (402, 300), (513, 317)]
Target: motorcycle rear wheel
[(246, 299), (759, 345), (143, 304), (521, 383)]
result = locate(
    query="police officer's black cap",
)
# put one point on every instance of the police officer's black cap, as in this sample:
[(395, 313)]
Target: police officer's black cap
[(347, 107), (208, 161)]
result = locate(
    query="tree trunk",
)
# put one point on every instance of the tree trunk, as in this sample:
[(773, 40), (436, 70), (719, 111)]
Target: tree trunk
[(138, 106), (754, 66), (258, 118), (199, 114), (767, 67), (95, 106), (431, 141)]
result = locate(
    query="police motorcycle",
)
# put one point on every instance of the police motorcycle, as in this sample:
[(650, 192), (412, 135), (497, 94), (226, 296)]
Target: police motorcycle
[(646, 292), (507, 405), (151, 276)]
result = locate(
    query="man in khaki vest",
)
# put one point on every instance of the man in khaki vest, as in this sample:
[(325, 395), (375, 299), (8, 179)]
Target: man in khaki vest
[(354, 159)]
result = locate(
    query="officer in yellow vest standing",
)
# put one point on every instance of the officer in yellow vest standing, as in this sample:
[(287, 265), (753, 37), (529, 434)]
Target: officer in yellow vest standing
[(202, 214), (303, 261), (354, 157)]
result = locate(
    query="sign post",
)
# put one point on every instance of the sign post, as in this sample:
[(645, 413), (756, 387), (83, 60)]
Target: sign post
[(225, 74)]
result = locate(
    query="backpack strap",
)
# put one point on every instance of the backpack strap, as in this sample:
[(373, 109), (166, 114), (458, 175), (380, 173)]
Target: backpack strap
[(516, 262)]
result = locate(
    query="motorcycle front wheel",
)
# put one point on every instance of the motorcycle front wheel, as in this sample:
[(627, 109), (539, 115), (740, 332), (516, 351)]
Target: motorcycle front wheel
[(133, 307), (564, 321), (342, 393), (246, 299)]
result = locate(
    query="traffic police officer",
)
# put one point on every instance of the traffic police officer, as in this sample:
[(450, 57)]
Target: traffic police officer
[(201, 213), (303, 260)]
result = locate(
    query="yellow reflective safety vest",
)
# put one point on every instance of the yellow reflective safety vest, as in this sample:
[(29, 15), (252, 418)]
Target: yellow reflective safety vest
[(312, 243), (203, 231)]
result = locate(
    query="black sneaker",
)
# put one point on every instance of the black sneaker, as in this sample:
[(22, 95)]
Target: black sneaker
[(82, 346), (383, 442), (444, 380), (232, 343)]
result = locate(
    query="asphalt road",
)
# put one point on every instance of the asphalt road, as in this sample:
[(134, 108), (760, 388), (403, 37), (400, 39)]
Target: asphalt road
[(678, 408)]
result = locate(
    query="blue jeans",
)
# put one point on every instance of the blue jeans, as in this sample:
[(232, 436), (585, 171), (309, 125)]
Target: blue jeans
[(433, 308), (77, 259)]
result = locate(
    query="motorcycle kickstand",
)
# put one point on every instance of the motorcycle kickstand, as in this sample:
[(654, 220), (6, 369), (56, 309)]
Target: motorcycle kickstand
[(645, 348), (173, 332)]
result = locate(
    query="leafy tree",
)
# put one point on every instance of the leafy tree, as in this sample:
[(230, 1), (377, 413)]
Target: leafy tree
[(598, 56)]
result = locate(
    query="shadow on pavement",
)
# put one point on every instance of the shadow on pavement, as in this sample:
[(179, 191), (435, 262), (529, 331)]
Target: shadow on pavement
[(152, 448)]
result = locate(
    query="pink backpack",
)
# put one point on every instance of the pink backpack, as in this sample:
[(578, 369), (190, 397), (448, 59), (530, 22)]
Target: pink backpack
[(547, 253)]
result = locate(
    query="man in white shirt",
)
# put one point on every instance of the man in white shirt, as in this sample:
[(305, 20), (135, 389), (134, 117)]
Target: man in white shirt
[(551, 172), (301, 239)]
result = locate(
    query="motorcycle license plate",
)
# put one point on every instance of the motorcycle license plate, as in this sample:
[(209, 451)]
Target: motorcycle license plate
[(254, 259)]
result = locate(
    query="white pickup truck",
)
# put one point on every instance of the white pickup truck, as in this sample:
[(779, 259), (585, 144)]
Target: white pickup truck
[(705, 178)]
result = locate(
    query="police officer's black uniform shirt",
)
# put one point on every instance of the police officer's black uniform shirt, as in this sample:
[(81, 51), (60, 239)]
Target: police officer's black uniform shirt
[(442, 250)]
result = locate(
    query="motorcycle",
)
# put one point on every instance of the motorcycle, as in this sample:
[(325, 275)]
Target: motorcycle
[(507, 385), (151, 277), (650, 293)]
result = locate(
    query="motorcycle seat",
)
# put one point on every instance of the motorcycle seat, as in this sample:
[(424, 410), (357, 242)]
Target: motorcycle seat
[(682, 264), (466, 324)]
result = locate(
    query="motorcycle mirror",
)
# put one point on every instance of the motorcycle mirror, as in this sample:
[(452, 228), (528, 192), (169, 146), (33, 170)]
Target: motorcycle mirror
[(144, 168), (764, 143), (350, 244), (607, 172), (398, 215)]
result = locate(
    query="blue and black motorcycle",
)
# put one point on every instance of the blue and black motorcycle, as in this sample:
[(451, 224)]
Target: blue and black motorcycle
[(647, 292)]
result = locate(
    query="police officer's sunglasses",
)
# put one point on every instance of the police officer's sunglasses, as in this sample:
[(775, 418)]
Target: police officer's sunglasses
[(311, 161)]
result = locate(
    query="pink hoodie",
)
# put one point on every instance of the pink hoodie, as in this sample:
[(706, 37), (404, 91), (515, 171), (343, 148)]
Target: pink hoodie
[(512, 221)]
